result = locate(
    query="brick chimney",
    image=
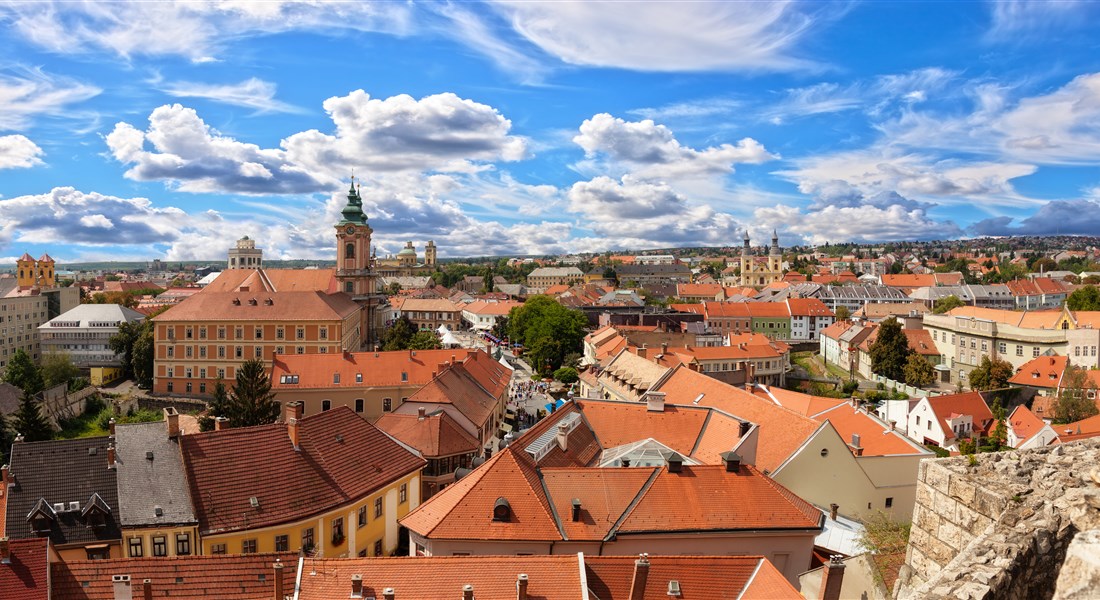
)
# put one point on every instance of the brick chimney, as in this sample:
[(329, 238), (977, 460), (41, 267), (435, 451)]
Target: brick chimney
[(563, 437), (641, 573), (147, 589), (833, 508), (745, 426), (293, 416), (357, 586), (220, 423), (832, 577), (467, 592), (643, 351), (5, 550), (655, 401), (388, 594), (278, 577), (172, 418), (421, 413), (121, 585), (856, 448), (664, 347), (111, 427), (111, 459), (521, 586)]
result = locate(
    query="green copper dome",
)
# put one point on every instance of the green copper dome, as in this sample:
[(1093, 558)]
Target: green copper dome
[(353, 212)]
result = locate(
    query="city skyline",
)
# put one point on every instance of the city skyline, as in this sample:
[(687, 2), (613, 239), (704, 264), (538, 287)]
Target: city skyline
[(131, 131)]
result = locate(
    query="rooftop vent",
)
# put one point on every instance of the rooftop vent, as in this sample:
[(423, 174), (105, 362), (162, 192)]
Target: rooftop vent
[(149, 455), (91, 451), (674, 588), (254, 501), (502, 511), (252, 302), (269, 301), (158, 511), (236, 301)]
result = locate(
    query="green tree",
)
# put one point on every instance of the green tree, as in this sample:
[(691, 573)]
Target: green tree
[(393, 289), (29, 420), (122, 343), (500, 328), (945, 304), (24, 374), (252, 402), (1073, 402), (999, 436), (548, 330), (141, 355), (990, 374), (58, 368), (843, 313), (1084, 298), (890, 351), (566, 375), (6, 439), (424, 340), (217, 407), (397, 335), (918, 371)]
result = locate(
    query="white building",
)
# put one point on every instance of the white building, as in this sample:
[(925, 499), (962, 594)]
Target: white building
[(84, 331)]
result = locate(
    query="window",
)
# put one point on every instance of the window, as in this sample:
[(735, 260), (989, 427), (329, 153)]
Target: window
[(378, 548), (259, 333), (239, 333), (188, 333), (136, 547), (258, 352), (326, 404), (387, 404), (301, 333), (358, 405), (202, 351), (202, 388), (221, 351), (217, 549), (403, 493), (307, 539), (335, 378), (188, 387), (1035, 352), (239, 352), (183, 544), (202, 373), (349, 287), (362, 516), (349, 250), (322, 332), (248, 546), (282, 543), (300, 350), (1019, 350), (1002, 347), (202, 333), (169, 384), (377, 508), (160, 545), (918, 421), (359, 376), (404, 376), (221, 336), (279, 332), (338, 531), (1077, 351), (889, 502)]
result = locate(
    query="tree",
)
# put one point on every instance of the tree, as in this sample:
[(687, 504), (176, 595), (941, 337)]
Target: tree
[(945, 304), (29, 420), (141, 355), (393, 288), (843, 314), (424, 340), (397, 335), (1073, 402), (999, 436), (918, 371), (566, 375), (990, 374), (58, 368), (6, 439), (252, 402), (500, 328), (548, 330), (1084, 298), (890, 350), (217, 407), (24, 374), (122, 343)]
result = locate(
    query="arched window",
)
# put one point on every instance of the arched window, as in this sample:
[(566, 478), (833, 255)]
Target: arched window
[(349, 250)]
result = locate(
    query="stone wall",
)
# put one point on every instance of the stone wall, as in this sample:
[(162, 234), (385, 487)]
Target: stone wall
[(999, 526)]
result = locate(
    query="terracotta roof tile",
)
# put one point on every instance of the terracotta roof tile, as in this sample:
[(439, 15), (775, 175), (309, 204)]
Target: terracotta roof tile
[(1024, 423), (342, 457), (230, 577), (709, 290), (605, 494), (428, 305), (1041, 372), (969, 403), (284, 280), (1078, 430), (808, 307), (726, 309), (377, 369), (24, 576), (254, 306), (803, 404), (474, 386), (876, 437), (618, 423), (700, 577), (434, 436)]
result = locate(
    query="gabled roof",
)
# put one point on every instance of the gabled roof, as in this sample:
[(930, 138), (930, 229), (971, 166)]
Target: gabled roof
[(427, 305), (1078, 430), (709, 290), (151, 477), (968, 403), (1024, 423), (836, 329), (473, 386), (481, 307), (1041, 372), (376, 369), (271, 280), (803, 404), (808, 307), (435, 435), (228, 577), (605, 494), (677, 427), (24, 576), (703, 577), (342, 458), (261, 306), (876, 437)]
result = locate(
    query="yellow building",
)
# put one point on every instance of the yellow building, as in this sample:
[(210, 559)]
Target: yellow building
[(330, 484), (35, 273), (760, 271)]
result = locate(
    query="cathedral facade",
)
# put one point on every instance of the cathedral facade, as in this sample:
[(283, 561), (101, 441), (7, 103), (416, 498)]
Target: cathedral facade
[(758, 271)]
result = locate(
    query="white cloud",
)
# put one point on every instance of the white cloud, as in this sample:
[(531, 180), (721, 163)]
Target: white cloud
[(874, 96), (27, 93), (18, 152), (666, 36), (250, 93), (1028, 20), (96, 220), (695, 109), (470, 29), (857, 224)]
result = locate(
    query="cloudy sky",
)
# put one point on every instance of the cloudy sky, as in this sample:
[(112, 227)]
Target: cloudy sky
[(162, 129)]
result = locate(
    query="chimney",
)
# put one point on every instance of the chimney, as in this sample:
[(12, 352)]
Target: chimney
[(750, 373), (388, 594), (467, 592), (856, 448), (832, 577), (356, 586), (4, 479), (278, 568), (576, 509), (147, 589), (111, 465), (643, 351), (732, 460), (172, 417), (745, 427), (5, 550), (832, 510), (421, 413), (563, 437), (220, 423), (293, 416), (111, 427), (121, 584), (664, 347), (625, 460), (675, 463), (655, 401), (521, 586), (641, 573)]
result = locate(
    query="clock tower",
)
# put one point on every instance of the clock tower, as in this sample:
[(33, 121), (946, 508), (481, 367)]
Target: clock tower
[(354, 272)]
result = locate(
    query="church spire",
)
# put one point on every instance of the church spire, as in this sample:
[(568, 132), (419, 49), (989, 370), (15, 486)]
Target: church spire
[(353, 211)]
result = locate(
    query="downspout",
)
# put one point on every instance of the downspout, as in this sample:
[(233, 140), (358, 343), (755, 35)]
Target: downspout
[(298, 579)]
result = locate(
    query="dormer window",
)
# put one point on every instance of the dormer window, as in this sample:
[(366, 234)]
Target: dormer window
[(96, 512), (502, 511)]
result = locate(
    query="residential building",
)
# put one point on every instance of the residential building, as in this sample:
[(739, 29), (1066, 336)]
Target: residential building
[(808, 317), (758, 272), (852, 297), (544, 277), (440, 439), (154, 504), (1026, 430), (655, 259), (66, 491), (907, 283), (945, 420), (1039, 293), (335, 486), (984, 296), (245, 255), (84, 334), (700, 292), (26, 302), (429, 314), (482, 315), (829, 341), (749, 357), (910, 314), (632, 275)]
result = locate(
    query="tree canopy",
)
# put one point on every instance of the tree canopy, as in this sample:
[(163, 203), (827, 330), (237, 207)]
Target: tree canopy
[(30, 422), (918, 371), (990, 374), (1073, 402), (843, 313), (398, 335), (58, 368), (945, 304), (251, 402), (1084, 298), (424, 340), (548, 330), (890, 350), (24, 374)]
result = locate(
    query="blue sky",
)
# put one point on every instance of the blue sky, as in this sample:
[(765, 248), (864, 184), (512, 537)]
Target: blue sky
[(134, 131)]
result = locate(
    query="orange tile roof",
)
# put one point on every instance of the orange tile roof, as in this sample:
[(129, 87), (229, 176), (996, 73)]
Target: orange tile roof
[(605, 495), (708, 497), (808, 307), (768, 310), (618, 423), (1078, 430), (378, 369), (1024, 423), (782, 430), (435, 435), (255, 306), (582, 447), (695, 309), (920, 341), (1041, 372), (427, 305), (283, 280), (558, 288), (481, 307), (461, 385), (834, 330), (708, 290), (738, 352), (442, 577), (24, 576), (1087, 318), (700, 577), (907, 280), (969, 403), (726, 309), (803, 404), (341, 458), (1032, 319), (229, 577), (876, 437)]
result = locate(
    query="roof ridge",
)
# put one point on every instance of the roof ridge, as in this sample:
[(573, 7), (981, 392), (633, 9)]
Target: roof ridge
[(611, 531)]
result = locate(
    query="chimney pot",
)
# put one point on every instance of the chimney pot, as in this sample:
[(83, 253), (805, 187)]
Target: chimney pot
[(467, 592), (421, 412), (357, 586), (147, 589), (643, 351), (388, 594), (121, 585), (745, 427), (641, 574), (172, 418), (521, 586), (293, 416), (220, 423), (655, 401), (5, 550), (833, 508), (675, 463), (733, 461), (110, 456), (278, 568), (111, 426), (832, 578), (563, 437)]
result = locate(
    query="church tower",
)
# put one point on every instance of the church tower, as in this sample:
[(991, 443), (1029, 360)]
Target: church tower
[(775, 256), (354, 272), (429, 253), (25, 270), (746, 261)]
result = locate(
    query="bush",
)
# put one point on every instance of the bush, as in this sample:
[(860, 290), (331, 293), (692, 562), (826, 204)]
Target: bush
[(94, 404), (566, 375), (850, 387), (940, 452)]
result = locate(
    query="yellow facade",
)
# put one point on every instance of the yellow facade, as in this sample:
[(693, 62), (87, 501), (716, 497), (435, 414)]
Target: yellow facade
[(177, 541), (104, 375), (35, 273), (357, 539)]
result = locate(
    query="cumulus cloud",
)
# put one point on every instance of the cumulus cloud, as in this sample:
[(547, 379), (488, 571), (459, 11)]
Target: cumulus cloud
[(651, 150), (18, 152), (250, 93), (26, 93), (863, 223), (1057, 217)]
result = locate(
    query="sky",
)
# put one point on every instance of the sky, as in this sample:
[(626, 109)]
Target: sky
[(158, 129)]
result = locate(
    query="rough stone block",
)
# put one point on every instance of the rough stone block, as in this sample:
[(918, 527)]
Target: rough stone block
[(924, 495), (938, 551), (927, 520), (961, 489), (936, 476), (989, 503), (951, 535), (1080, 574)]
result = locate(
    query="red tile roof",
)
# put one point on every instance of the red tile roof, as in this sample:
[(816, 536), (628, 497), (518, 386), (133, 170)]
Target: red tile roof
[(876, 437), (24, 577), (694, 290), (969, 403), (835, 330), (229, 577), (700, 577), (474, 386), (435, 435), (255, 306), (1024, 423), (283, 280), (342, 458), (378, 369), (605, 495), (808, 307), (1041, 372), (803, 404), (618, 423), (1078, 430)]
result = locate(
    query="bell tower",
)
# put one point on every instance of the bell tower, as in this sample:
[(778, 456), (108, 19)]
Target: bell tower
[(354, 272)]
